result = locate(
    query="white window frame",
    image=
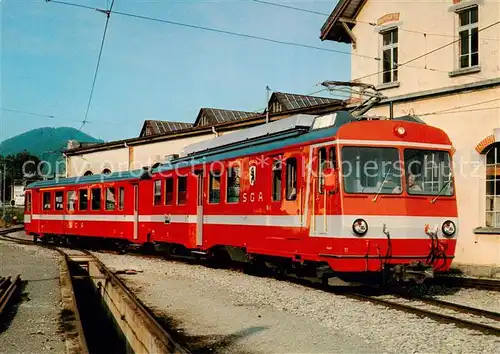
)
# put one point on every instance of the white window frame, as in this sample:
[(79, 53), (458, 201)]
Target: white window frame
[(469, 27), (391, 46), (492, 215)]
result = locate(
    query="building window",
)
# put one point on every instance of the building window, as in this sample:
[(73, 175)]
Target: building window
[(233, 184), (276, 180), (169, 191), (96, 199), (71, 200), (214, 187), (84, 199), (110, 199), (106, 171), (88, 173), (157, 192), (390, 56), (493, 187), (469, 37), (46, 200), (181, 190), (121, 198), (291, 179), (59, 200)]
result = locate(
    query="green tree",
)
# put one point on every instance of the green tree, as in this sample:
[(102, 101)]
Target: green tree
[(18, 168)]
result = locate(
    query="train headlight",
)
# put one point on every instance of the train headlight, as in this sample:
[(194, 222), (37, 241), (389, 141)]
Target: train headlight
[(360, 227), (400, 131), (448, 228)]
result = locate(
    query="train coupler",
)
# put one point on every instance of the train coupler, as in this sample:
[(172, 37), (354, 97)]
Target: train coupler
[(415, 271)]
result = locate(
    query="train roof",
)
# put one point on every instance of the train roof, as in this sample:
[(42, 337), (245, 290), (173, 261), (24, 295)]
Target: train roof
[(266, 137), (112, 177), (295, 129)]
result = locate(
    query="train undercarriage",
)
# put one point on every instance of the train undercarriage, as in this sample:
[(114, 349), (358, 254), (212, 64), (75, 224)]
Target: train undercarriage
[(256, 264)]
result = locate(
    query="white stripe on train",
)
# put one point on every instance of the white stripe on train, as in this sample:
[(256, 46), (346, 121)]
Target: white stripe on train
[(332, 226)]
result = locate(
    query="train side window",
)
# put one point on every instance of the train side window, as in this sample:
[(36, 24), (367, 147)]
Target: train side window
[(84, 199), (71, 200), (214, 187), (321, 168), (181, 190), (110, 198), (233, 184), (157, 192), (332, 158), (96, 199), (121, 198), (277, 180), (291, 179), (27, 202), (169, 191), (59, 200), (46, 200)]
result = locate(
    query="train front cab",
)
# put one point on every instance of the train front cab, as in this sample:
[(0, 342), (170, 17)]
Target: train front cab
[(29, 223), (388, 204)]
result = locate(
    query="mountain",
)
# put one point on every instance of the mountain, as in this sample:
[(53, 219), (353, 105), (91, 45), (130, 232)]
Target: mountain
[(46, 143)]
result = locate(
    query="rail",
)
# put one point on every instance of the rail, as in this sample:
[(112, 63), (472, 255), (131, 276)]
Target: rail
[(8, 287), (465, 282), (143, 333), (491, 327)]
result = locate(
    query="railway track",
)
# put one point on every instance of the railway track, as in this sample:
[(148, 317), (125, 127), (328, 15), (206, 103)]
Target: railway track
[(487, 322), (8, 288), (142, 331), (465, 282), (443, 311)]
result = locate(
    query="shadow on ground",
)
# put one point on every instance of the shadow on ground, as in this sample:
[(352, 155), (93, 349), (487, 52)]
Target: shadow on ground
[(12, 307), (207, 343)]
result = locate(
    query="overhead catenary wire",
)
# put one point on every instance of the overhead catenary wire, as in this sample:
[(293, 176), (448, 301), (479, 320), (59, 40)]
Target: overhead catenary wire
[(51, 116), (108, 14), (19, 111), (429, 52), (290, 7), (227, 32), (458, 108), (371, 23)]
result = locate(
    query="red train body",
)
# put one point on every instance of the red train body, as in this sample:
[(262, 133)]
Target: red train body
[(301, 193)]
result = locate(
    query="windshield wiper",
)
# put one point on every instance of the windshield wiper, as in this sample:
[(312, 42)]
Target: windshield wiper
[(441, 190), (374, 199)]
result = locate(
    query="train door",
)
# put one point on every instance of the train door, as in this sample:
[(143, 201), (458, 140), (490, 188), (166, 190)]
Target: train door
[(199, 210), (323, 202), (136, 211), (28, 210)]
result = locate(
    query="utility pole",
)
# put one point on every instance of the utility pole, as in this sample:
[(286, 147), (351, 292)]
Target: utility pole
[(3, 192), (267, 104)]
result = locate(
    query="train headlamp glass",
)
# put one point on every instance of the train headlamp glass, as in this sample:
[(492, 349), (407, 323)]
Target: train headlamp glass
[(360, 227), (448, 228)]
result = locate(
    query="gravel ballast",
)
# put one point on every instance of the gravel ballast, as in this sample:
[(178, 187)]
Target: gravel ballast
[(221, 310), (33, 325)]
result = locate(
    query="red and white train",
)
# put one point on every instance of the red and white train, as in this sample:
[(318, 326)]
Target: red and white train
[(330, 195)]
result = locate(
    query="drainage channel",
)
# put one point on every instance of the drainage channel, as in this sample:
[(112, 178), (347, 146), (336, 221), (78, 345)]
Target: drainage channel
[(112, 319)]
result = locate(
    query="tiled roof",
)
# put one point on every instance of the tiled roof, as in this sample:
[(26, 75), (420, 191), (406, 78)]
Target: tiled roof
[(211, 116), (281, 102), (157, 127)]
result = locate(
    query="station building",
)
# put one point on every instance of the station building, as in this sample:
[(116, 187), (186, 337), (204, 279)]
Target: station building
[(440, 61)]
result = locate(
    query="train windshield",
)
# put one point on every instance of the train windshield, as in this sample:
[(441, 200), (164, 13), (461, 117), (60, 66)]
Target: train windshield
[(428, 172), (371, 170)]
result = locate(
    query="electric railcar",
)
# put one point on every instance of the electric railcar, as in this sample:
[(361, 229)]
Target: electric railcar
[(330, 195)]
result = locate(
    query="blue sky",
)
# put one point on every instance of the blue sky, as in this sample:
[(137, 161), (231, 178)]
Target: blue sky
[(152, 70)]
